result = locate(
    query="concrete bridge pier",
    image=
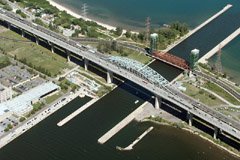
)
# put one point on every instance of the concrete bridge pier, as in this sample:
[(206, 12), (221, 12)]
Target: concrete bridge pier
[(68, 56), (216, 130), (109, 77), (37, 40), (190, 118), (23, 33), (8, 25), (158, 102), (52, 47), (86, 62)]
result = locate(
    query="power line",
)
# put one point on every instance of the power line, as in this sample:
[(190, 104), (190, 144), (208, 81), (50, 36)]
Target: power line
[(148, 27)]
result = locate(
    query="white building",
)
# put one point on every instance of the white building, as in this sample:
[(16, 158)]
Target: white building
[(22, 104), (5, 93)]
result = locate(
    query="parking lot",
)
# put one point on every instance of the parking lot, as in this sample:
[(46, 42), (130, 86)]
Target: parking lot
[(4, 124), (19, 78)]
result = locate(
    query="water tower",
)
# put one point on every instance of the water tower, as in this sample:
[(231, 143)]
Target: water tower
[(153, 42)]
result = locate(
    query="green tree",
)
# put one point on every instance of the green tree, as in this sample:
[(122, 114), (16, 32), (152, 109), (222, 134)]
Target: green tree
[(128, 34), (118, 31)]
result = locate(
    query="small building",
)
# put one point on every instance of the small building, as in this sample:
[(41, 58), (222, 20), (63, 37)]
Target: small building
[(194, 57), (153, 42), (5, 93)]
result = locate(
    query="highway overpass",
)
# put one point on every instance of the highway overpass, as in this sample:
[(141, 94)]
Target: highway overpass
[(168, 92)]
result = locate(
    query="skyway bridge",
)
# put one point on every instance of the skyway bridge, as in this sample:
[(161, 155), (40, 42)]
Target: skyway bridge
[(145, 77)]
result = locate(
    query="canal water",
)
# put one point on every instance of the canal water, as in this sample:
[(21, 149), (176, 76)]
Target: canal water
[(230, 60), (77, 140)]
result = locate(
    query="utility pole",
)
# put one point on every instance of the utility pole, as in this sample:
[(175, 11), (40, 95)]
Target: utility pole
[(148, 27)]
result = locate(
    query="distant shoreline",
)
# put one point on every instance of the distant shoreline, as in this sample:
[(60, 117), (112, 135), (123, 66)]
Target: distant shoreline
[(74, 14)]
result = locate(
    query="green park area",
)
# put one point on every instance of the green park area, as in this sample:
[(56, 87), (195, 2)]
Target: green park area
[(202, 96), (4, 61), (221, 92), (114, 49), (32, 54)]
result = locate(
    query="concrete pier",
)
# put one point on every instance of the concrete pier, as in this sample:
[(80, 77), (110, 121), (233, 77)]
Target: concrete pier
[(52, 47), (130, 147), (222, 44), (23, 33), (77, 112), (190, 119), (86, 64), (109, 77), (158, 101), (120, 125), (215, 133), (68, 56), (227, 7), (8, 25), (37, 40)]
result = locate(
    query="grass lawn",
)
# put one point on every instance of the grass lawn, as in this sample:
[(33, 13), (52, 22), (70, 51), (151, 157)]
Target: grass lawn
[(202, 96), (36, 55), (221, 92), (128, 53), (4, 61), (52, 98)]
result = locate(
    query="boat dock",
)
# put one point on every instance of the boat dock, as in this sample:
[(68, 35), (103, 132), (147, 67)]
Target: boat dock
[(77, 112), (121, 125), (220, 45), (227, 7)]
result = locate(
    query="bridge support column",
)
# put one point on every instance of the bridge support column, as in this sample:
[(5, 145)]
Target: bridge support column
[(190, 118), (215, 134), (68, 56), (158, 102), (52, 47), (37, 40), (23, 33), (86, 64), (109, 77), (8, 25)]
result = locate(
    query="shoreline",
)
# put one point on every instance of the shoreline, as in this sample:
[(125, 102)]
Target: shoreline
[(76, 15), (194, 132)]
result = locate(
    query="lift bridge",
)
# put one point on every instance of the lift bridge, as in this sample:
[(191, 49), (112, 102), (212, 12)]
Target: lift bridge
[(139, 69)]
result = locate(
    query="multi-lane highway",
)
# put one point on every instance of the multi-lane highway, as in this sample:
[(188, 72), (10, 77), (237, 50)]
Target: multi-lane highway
[(169, 93)]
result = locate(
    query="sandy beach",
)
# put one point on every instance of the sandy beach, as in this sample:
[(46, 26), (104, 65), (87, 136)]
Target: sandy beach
[(74, 14)]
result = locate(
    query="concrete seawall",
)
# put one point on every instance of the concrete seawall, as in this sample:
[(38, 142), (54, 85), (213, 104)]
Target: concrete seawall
[(222, 44), (77, 112), (198, 27), (120, 125)]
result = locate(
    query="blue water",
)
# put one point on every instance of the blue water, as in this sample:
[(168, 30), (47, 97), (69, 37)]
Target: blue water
[(230, 59), (132, 13)]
